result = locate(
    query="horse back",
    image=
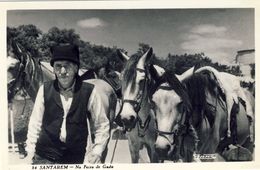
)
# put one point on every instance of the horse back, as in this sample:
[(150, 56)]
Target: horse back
[(106, 96)]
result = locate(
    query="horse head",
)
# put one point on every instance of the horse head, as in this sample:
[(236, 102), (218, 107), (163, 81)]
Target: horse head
[(135, 79), (171, 108), (15, 69), (24, 72)]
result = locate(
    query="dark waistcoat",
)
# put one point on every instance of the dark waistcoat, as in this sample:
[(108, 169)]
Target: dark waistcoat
[(49, 145)]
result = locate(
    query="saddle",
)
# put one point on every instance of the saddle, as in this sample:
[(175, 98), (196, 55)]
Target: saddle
[(112, 79)]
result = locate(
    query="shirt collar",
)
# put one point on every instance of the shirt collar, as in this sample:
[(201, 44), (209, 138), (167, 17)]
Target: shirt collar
[(68, 92)]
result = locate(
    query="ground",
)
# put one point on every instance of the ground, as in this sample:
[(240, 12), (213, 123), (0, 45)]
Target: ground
[(21, 119), (21, 112)]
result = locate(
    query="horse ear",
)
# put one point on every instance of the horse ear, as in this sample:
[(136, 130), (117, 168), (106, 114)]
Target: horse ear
[(156, 72), (123, 57), (186, 74), (145, 59), (159, 70)]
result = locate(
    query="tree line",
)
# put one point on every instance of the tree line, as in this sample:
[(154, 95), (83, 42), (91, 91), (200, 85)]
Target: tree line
[(95, 56)]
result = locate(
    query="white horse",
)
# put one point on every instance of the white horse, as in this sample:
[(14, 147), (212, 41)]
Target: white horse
[(135, 114), (191, 114)]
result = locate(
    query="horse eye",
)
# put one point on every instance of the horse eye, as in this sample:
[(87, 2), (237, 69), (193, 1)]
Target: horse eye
[(153, 105), (141, 82), (180, 107), (10, 69)]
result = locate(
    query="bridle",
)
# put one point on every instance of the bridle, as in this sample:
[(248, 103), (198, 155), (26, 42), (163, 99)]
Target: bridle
[(136, 104), (12, 91), (183, 123), (179, 129), (24, 61), (177, 135)]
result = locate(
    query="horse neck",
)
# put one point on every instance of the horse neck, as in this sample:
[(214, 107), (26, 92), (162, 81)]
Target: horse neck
[(34, 77)]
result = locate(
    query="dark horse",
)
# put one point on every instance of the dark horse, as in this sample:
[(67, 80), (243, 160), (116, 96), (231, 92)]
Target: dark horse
[(26, 73), (191, 115)]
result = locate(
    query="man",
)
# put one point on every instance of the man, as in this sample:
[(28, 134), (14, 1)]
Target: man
[(58, 128)]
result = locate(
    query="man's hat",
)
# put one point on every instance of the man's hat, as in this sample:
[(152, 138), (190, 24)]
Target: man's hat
[(65, 52)]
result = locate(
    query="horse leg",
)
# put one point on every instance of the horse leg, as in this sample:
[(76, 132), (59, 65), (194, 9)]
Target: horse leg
[(134, 147), (104, 155), (152, 154)]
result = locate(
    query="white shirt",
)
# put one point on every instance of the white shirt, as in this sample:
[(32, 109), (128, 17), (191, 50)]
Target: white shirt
[(99, 123)]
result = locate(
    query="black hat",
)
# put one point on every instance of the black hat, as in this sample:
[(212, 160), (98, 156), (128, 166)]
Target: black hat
[(65, 52)]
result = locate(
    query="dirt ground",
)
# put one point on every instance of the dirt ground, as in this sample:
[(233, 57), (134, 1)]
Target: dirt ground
[(22, 110)]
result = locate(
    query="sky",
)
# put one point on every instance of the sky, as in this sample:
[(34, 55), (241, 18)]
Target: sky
[(219, 33)]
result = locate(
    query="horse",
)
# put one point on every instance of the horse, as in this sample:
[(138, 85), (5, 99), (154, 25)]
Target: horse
[(191, 116), (106, 74), (27, 74), (135, 114), (24, 72)]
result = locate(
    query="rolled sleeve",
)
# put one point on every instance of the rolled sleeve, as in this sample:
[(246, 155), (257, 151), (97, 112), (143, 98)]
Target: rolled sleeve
[(99, 123), (35, 123)]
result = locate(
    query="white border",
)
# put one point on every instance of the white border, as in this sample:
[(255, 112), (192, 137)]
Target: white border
[(4, 6)]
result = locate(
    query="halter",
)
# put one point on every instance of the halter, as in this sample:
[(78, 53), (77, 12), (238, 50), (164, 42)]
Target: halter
[(12, 91), (182, 125), (178, 130), (24, 63), (136, 104)]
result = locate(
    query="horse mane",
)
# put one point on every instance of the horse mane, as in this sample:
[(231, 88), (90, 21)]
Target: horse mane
[(129, 72), (190, 139), (89, 74), (196, 86), (179, 88)]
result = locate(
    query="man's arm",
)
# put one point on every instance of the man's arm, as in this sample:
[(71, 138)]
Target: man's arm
[(35, 123), (99, 123)]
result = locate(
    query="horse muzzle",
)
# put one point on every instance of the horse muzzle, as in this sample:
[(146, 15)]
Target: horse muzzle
[(128, 123), (164, 149)]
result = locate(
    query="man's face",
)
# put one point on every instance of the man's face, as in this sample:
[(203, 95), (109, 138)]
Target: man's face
[(65, 72)]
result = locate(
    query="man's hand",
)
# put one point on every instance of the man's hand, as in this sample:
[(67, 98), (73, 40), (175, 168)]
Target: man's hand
[(94, 159)]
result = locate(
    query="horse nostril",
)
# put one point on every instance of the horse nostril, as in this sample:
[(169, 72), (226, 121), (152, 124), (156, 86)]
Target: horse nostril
[(162, 150), (132, 118), (168, 147), (128, 122), (118, 120)]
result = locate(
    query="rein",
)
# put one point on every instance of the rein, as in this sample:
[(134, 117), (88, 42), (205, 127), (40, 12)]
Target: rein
[(25, 62)]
